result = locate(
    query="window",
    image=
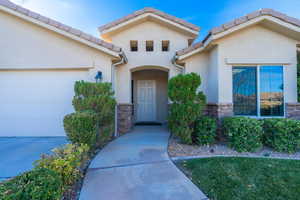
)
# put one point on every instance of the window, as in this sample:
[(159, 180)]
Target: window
[(258, 91), (165, 45), (190, 42), (134, 45), (149, 45)]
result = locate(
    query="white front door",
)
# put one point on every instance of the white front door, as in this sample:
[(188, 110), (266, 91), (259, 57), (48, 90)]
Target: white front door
[(146, 106)]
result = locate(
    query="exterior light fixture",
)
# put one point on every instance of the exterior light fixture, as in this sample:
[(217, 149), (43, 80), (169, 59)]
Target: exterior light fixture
[(98, 77)]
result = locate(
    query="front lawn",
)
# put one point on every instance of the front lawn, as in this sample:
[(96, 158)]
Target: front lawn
[(245, 178)]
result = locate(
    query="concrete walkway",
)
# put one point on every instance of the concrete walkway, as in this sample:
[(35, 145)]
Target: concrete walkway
[(136, 166)]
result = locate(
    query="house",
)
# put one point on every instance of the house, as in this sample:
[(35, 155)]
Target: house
[(248, 66)]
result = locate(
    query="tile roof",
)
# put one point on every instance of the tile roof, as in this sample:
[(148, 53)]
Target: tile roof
[(149, 10), (241, 20), (189, 49), (63, 27)]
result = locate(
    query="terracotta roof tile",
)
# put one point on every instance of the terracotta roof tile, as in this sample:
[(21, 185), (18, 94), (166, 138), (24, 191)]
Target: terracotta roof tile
[(63, 27), (189, 49), (149, 10), (241, 20)]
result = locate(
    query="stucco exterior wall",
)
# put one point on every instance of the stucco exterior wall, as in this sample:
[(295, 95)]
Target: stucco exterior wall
[(38, 69), (161, 81), (200, 65), (26, 45), (253, 44), (257, 43), (146, 30)]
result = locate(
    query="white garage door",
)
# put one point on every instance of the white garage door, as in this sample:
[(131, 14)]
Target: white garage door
[(33, 103)]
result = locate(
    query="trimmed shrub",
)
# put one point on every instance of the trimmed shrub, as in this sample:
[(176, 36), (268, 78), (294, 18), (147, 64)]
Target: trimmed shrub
[(205, 131), (187, 105), (282, 134), (66, 162), (33, 185), (93, 121), (97, 97), (244, 134), (82, 127)]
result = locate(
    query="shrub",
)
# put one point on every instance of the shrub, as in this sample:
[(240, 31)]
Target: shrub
[(97, 97), (82, 127), (33, 185), (66, 162), (205, 130), (244, 134), (282, 134), (93, 121), (187, 105)]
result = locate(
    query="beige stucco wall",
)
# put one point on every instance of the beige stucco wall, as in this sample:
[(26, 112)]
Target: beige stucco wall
[(255, 43), (146, 30), (26, 45), (161, 82), (200, 64)]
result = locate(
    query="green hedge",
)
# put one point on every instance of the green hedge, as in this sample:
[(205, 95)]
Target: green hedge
[(205, 130), (38, 184), (82, 127), (187, 105), (282, 134), (244, 134)]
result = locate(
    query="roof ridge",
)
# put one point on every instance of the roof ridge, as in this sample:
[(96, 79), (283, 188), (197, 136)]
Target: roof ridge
[(61, 26), (149, 10), (241, 20)]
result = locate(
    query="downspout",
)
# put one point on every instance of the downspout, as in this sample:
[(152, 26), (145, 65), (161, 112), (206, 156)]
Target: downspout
[(113, 78), (182, 68)]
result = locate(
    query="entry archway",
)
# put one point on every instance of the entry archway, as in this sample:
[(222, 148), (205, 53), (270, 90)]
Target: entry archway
[(149, 94)]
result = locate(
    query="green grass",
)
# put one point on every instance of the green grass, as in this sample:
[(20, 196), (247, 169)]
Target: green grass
[(245, 178)]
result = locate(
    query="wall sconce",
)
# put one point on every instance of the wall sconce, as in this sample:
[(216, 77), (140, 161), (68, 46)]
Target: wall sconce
[(98, 77)]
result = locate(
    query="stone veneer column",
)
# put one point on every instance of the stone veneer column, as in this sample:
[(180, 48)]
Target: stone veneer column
[(219, 110), (292, 110), (125, 118)]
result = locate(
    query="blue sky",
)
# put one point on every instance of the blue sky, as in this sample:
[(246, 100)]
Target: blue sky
[(87, 15)]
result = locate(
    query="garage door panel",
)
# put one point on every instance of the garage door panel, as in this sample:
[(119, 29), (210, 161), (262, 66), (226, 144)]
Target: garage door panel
[(33, 103)]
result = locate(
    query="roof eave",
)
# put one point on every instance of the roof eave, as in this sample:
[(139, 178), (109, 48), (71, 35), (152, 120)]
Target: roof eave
[(23, 13), (215, 35), (113, 26)]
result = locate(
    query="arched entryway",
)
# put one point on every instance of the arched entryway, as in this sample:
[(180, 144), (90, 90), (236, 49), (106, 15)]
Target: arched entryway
[(149, 94)]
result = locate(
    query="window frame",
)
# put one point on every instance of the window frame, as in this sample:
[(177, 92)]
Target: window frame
[(168, 45), (146, 47), (258, 95), (131, 47)]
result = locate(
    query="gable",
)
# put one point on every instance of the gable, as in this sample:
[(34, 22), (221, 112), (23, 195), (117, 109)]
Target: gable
[(149, 30), (149, 14), (269, 18), (259, 44)]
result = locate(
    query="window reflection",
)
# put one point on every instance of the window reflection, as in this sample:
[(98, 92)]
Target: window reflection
[(271, 91), (244, 91), (245, 95)]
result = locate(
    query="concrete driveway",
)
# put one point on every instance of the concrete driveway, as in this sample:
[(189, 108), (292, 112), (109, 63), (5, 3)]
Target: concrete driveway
[(17, 154), (137, 166)]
